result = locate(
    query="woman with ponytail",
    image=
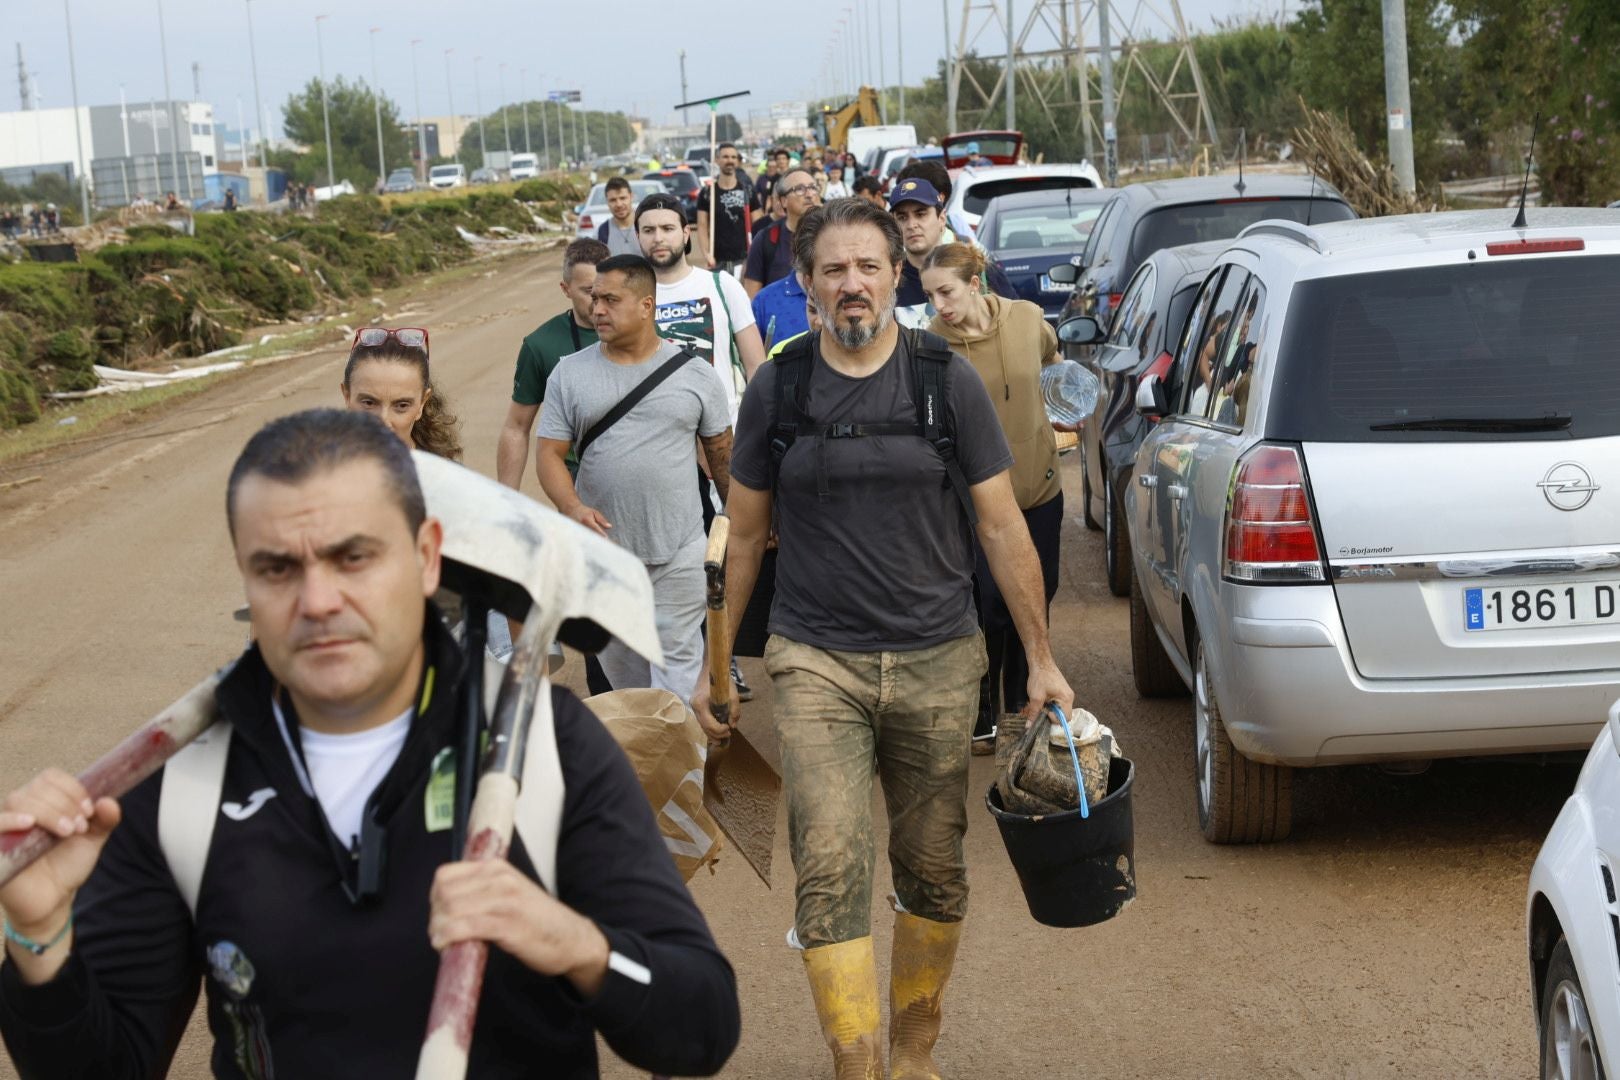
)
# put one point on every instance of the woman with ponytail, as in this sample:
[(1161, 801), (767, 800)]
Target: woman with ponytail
[(387, 375), (1008, 342)]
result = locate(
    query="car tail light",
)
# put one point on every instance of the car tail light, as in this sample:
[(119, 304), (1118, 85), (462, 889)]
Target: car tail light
[(1113, 300), (585, 221), (1270, 534), (1533, 247)]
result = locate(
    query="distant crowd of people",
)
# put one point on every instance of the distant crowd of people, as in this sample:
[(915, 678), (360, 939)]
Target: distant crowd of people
[(31, 218)]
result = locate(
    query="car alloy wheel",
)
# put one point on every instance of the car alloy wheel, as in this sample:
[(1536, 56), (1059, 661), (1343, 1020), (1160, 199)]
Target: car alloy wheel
[(1569, 1046), (1203, 737)]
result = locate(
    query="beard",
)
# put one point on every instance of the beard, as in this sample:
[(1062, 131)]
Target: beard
[(664, 262), (851, 332)]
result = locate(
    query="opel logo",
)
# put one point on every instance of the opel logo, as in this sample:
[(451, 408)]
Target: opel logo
[(1568, 486)]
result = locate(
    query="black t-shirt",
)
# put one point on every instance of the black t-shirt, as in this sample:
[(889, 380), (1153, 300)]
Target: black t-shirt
[(886, 562), (734, 210)]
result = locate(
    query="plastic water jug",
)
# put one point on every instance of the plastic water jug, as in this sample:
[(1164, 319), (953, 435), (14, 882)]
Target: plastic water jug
[(1070, 392)]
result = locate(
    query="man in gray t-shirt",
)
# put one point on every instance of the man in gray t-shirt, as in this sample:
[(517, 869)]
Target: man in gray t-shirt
[(635, 478)]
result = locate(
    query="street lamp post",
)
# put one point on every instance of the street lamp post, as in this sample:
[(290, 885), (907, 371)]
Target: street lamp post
[(449, 89), (174, 124), (545, 128), (78, 133), (326, 113), (421, 128), (900, 58), (506, 116), (523, 92), (258, 103), (376, 101), (478, 106)]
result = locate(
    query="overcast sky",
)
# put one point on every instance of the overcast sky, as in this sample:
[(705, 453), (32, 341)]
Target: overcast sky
[(621, 54)]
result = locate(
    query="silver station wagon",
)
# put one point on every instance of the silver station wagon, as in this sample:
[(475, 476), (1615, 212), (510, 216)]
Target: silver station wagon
[(1379, 518)]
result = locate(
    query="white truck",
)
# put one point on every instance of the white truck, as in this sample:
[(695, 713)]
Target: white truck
[(863, 140), (525, 166)]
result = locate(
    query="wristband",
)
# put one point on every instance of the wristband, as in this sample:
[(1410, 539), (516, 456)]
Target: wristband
[(33, 946)]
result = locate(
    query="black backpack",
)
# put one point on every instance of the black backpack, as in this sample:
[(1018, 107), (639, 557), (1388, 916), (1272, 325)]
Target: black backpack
[(929, 355)]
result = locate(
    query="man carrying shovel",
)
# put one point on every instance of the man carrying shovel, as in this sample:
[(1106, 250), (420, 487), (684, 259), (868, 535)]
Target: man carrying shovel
[(315, 912), (876, 456)]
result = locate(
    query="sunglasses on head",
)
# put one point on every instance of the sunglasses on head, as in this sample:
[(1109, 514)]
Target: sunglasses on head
[(372, 337)]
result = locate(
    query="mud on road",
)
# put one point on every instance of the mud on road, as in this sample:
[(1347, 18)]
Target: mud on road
[(1384, 939)]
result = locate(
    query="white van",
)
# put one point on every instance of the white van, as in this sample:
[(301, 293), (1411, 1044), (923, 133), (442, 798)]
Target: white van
[(525, 166), (444, 177)]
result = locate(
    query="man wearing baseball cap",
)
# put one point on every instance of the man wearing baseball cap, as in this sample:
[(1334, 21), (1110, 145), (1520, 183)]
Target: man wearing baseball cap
[(919, 210)]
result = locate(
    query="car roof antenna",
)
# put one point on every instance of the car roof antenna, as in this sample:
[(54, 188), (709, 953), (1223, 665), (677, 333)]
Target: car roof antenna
[(1529, 159), (1310, 203), (1243, 144)]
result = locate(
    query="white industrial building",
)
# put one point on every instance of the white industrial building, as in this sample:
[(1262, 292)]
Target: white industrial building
[(154, 132)]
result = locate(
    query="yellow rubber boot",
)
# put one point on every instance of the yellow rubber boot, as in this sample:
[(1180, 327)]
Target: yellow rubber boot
[(843, 981), (924, 952)]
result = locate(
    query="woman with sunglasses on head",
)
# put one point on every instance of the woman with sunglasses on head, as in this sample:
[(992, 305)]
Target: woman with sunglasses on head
[(1008, 342), (387, 375)]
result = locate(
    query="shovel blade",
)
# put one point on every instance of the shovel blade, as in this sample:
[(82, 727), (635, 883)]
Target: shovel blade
[(741, 791)]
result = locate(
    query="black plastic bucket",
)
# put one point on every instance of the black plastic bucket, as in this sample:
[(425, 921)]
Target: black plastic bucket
[(1075, 871)]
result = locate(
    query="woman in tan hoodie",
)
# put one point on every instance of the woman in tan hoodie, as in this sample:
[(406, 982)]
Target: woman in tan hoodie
[(1008, 342)]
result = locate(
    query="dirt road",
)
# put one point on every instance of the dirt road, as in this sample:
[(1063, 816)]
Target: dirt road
[(1384, 940)]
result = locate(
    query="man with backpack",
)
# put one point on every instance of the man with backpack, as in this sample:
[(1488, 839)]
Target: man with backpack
[(875, 457), (632, 408), (308, 879), (618, 232), (771, 257)]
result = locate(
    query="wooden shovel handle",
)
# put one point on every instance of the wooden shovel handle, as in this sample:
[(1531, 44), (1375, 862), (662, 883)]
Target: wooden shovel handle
[(719, 623)]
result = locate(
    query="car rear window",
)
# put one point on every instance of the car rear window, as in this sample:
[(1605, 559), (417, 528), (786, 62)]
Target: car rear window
[(1036, 228), (1191, 223), (1494, 339), (977, 197)]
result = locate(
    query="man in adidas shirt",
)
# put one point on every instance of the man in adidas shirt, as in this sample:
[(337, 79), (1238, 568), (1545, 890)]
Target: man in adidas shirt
[(330, 881), (705, 310)]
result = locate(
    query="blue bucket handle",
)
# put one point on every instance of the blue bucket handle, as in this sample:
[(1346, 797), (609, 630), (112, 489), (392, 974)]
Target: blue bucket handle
[(1074, 758)]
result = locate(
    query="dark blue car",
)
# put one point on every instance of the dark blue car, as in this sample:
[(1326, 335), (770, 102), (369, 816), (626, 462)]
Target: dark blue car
[(1029, 232)]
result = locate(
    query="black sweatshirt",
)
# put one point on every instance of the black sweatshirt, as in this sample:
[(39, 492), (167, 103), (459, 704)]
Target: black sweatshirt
[(303, 983)]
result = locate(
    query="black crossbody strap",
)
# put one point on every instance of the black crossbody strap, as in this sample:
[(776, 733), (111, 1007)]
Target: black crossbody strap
[(633, 398)]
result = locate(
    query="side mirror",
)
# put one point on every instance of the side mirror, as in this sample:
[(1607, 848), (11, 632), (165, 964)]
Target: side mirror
[(1151, 401), (1081, 330), (1064, 273)]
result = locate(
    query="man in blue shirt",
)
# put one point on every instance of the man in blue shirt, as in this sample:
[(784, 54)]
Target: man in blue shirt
[(779, 311)]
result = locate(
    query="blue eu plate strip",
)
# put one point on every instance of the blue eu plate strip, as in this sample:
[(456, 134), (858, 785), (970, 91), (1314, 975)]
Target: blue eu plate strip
[(1474, 605)]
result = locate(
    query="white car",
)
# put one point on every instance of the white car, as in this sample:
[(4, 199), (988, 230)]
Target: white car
[(595, 209), (1572, 919), (973, 187), (445, 177)]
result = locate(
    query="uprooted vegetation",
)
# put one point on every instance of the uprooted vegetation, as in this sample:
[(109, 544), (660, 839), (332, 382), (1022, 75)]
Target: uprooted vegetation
[(159, 293)]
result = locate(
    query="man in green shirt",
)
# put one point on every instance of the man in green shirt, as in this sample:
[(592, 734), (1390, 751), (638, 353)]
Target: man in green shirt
[(557, 337)]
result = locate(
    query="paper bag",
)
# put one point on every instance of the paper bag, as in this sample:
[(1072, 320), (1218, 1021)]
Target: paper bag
[(661, 737)]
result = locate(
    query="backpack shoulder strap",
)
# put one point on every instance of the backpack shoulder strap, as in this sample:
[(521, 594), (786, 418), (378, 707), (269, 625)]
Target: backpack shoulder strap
[(602, 232), (188, 807), (791, 367), (731, 327), (632, 399), (930, 357)]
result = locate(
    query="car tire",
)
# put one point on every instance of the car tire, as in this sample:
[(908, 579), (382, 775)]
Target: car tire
[(1085, 490), (1569, 1048), (1116, 543), (1155, 676), (1239, 801)]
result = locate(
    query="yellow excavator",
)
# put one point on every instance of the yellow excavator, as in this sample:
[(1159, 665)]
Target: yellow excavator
[(835, 123)]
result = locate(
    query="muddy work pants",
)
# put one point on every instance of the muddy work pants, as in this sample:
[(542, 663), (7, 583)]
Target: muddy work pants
[(842, 717)]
